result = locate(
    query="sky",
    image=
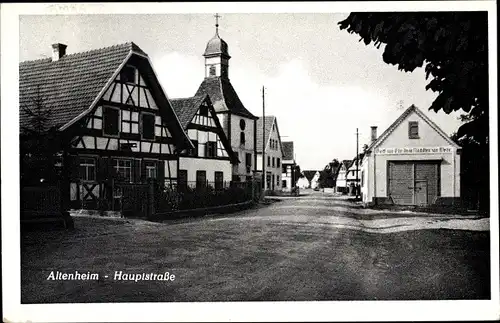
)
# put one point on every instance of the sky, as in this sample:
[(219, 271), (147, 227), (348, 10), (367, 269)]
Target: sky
[(321, 83)]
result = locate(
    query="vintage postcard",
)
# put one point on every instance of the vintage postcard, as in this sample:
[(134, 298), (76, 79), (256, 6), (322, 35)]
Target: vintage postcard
[(249, 161)]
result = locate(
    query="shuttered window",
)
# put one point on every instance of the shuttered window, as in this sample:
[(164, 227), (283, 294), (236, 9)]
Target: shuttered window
[(148, 126), (413, 130), (111, 121)]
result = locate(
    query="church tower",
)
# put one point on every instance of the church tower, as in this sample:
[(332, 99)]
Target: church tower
[(216, 55), (238, 123)]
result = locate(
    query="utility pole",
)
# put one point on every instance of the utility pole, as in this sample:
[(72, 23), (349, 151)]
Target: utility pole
[(357, 162), (263, 142)]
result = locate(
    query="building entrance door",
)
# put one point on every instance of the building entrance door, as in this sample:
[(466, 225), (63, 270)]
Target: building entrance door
[(421, 193)]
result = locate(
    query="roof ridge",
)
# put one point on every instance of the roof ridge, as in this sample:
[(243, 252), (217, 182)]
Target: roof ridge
[(90, 51)]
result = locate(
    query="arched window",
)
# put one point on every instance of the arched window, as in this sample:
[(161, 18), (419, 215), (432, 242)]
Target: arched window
[(242, 124)]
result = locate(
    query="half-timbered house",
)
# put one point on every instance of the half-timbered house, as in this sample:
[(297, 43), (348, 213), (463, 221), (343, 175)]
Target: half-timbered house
[(117, 122), (210, 161)]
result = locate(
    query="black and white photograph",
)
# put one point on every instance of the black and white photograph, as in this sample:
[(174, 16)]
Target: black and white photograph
[(249, 161)]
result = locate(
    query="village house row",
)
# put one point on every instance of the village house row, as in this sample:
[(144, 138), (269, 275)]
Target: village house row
[(117, 119)]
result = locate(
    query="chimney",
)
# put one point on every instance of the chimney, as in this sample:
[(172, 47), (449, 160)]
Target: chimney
[(58, 51), (374, 133)]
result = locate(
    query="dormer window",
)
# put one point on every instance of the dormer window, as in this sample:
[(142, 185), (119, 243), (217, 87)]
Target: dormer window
[(127, 74), (413, 130)]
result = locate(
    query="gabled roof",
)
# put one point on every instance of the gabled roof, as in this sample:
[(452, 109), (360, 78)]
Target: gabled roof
[(287, 147), (346, 163), (401, 118), (263, 140), (186, 108), (71, 86), (223, 96), (309, 174)]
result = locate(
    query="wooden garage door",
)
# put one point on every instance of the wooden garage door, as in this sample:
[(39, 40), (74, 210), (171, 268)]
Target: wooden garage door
[(426, 180), (401, 182), (413, 183)]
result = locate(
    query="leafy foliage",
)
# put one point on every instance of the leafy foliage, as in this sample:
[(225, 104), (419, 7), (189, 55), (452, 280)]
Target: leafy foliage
[(453, 46), (328, 176)]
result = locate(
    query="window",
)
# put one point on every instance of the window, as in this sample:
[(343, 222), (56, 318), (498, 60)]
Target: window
[(183, 178), (278, 162), (242, 138), (130, 122), (283, 183), (283, 168), (127, 74), (219, 177), (150, 168), (148, 126), (211, 148), (212, 70), (201, 179), (413, 130), (242, 124), (268, 161), (123, 168), (204, 111), (87, 169), (111, 121), (248, 159), (248, 162), (277, 180), (194, 151), (273, 161)]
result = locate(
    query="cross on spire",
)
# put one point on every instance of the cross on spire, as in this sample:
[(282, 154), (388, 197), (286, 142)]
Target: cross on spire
[(217, 16)]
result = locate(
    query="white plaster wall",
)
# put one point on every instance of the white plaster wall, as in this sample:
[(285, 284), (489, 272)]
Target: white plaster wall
[(208, 165), (241, 150)]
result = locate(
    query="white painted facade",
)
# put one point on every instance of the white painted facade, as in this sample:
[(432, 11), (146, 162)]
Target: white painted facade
[(210, 166), (432, 144), (315, 180), (286, 176), (241, 170), (273, 160)]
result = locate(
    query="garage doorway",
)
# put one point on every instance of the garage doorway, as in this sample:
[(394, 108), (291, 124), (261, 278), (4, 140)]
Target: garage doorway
[(413, 182)]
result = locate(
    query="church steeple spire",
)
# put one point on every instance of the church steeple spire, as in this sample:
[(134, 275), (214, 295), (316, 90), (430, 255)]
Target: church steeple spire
[(217, 16), (216, 55)]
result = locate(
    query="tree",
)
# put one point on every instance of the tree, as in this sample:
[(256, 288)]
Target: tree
[(453, 46), (328, 176), (39, 143)]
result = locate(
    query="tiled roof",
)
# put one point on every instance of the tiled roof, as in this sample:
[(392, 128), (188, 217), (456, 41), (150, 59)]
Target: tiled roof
[(223, 96), (68, 86), (262, 142), (309, 174), (287, 150), (186, 108)]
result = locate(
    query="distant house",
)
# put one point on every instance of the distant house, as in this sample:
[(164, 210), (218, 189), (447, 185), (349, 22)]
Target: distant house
[(114, 119), (412, 163), (210, 161), (287, 165), (341, 183), (312, 177), (353, 177), (303, 182), (315, 180), (270, 142)]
